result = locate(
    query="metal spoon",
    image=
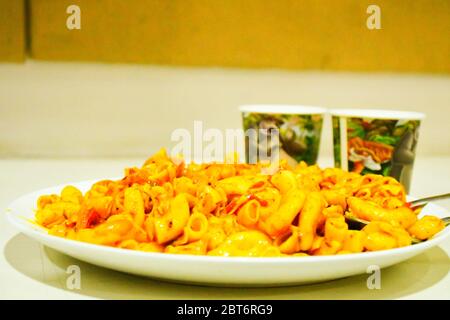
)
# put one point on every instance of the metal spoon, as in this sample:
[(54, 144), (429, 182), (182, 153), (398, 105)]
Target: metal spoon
[(358, 224), (420, 203), (355, 223)]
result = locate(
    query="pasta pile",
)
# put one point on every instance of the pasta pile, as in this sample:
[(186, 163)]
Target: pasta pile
[(235, 210)]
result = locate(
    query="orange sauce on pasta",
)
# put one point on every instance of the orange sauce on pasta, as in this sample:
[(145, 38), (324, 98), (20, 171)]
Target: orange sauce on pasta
[(236, 210)]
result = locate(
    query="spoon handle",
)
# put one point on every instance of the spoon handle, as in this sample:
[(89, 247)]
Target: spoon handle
[(446, 221), (423, 201)]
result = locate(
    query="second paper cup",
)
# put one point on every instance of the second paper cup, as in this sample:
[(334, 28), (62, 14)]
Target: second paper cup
[(376, 141)]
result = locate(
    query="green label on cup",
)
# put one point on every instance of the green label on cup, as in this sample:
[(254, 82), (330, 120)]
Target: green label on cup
[(299, 135), (378, 146)]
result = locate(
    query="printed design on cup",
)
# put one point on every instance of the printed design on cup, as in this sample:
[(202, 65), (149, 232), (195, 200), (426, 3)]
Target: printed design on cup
[(299, 135), (377, 146), (337, 142)]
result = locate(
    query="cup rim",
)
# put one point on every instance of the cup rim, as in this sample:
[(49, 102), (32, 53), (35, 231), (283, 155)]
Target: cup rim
[(378, 114), (282, 109)]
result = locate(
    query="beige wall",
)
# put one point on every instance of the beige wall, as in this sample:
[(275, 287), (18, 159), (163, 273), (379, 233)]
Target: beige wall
[(75, 109)]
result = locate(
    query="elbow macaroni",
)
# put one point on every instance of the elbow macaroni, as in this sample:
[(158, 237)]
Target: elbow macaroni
[(235, 210)]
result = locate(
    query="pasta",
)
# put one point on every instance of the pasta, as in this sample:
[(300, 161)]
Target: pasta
[(237, 210)]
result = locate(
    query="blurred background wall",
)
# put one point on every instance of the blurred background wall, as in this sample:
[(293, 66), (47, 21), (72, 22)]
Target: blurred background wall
[(291, 34), (12, 31), (138, 69)]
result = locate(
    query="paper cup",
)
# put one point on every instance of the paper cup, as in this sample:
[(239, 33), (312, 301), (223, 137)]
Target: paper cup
[(376, 141), (299, 128)]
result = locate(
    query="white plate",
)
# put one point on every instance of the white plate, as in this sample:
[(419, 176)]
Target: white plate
[(222, 271)]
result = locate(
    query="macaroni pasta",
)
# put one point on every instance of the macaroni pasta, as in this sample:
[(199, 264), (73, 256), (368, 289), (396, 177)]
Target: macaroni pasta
[(235, 210)]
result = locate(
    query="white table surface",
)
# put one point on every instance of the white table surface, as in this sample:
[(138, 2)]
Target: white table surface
[(30, 271)]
